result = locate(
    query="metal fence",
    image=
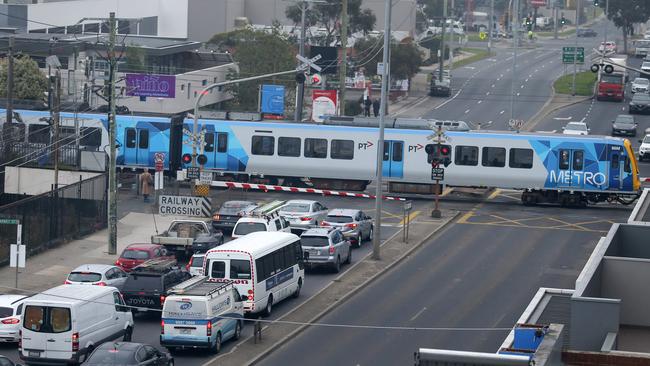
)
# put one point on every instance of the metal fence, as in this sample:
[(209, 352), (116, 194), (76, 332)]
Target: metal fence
[(52, 218)]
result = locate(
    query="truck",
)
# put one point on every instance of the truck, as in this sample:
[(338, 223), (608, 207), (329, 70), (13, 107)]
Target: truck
[(612, 85), (189, 236), (440, 87)]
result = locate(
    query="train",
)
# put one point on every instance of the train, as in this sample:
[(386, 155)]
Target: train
[(547, 168)]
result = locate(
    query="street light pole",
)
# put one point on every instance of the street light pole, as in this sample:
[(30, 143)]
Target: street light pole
[(112, 174), (376, 240), (300, 95), (575, 50), (515, 41), (490, 26)]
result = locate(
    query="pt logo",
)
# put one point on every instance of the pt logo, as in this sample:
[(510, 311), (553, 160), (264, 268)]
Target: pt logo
[(414, 148), (365, 145)]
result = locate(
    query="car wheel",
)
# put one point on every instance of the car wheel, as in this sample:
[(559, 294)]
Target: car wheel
[(237, 331), (296, 294), (371, 233), (128, 334), (217, 344), (359, 239), (269, 306), (336, 267), (348, 260)]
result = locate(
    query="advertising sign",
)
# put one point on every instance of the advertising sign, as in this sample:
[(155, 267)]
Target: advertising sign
[(323, 103), (149, 85), (273, 99)]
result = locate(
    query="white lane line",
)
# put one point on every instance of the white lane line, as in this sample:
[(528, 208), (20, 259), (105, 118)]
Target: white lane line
[(518, 94), (467, 111), (501, 75), (488, 93), (522, 87), (480, 101), (449, 100), (492, 86), (498, 79), (502, 112), (526, 80), (536, 70), (418, 313), (583, 119), (530, 76)]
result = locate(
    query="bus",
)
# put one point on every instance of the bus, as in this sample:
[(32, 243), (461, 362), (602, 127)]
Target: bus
[(267, 267)]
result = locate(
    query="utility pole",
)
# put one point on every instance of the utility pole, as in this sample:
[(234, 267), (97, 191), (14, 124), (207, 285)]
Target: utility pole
[(555, 11), (344, 56), (300, 95), (515, 41), (56, 121), (490, 26), (376, 240), (112, 174), (441, 59), (10, 81), (575, 49), (605, 30)]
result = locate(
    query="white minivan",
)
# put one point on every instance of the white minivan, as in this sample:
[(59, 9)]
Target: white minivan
[(65, 323), (201, 314)]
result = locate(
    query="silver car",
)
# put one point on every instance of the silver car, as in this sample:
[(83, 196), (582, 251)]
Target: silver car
[(354, 224), (302, 214), (325, 247), (97, 274)]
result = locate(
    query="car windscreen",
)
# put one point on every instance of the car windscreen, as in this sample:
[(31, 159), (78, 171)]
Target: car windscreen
[(197, 261), (244, 228), (111, 357), (296, 207), (641, 81), (138, 282), (185, 309), (646, 140), (339, 219), (5, 312), (576, 127), (135, 254), (47, 319), (314, 241), (84, 277)]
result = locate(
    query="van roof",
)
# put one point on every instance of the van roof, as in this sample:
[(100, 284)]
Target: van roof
[(255, 243), (71, 294)]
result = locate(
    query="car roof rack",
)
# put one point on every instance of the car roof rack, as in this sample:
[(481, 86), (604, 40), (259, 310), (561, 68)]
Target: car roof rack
[(269, 210), (201, 286), (156, 265)]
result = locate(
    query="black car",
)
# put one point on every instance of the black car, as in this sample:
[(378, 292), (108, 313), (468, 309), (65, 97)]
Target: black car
[(4, 361), (640, 103), (128, 354), (147, 285), (624, 124), (228, 214), (587, 32)]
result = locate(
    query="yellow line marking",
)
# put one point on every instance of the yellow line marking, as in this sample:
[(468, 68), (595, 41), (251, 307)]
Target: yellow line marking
[(494, 194), (567, 224), (465, 217), (411, 216), (534, 227), (446, 191), (503, 219)]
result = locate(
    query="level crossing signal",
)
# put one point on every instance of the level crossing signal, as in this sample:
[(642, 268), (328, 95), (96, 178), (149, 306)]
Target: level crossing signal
[(438, 154), (201, 159)]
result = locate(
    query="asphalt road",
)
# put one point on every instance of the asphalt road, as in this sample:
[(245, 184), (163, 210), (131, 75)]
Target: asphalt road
[(480, 272)]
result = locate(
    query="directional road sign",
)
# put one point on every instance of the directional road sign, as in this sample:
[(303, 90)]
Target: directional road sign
[(9, 221), (568, 54)]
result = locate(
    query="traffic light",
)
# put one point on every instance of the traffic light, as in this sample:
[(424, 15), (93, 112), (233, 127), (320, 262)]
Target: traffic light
[(187, 158), (438, 154), (202, 159), (596, 3), (563, 21)]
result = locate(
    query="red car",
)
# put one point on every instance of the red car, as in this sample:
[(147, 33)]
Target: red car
[(136, 254)]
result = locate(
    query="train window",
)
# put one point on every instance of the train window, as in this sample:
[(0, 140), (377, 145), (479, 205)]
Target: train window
[(91, 136), (263, 145), (130, 138), (626, 165), (38, 134), (398, 150), (466, 155), (521, 158), (564, 159), (342, 149), (144, 139), (615, 161), (316, 148), (386, 151), (209, 142), (494, 157), (289, 146), (578, 161), (222, 142)]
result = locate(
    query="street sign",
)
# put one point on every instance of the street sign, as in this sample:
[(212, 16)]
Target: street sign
[(185, 206), (159, 157), (205, 178), (193, 172), (309, 62), (9, 221), (482, 35), (568, 54), (408, 205), (438, 173), (17, 254)]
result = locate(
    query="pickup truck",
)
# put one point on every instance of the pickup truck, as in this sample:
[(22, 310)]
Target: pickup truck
[(189, 236), (440, 87)]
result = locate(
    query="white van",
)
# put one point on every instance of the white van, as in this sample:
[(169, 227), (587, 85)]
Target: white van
[(201, 314), (263, 218), (65, 323), (267, 267)]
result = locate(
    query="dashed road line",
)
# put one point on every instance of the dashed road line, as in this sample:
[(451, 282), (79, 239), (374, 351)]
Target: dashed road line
[(502, 112), (479, 102), (467, 111)]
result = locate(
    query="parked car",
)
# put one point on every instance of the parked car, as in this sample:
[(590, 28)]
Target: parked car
[(136, 254), (230, 211), (264, 218), (325, 247), (624, 124), (640, 104), (4, 361), (586, 32), (195, 264), (355, 225), (644, 149), (11, 309), (146, 287), (575, 128), (302, 214), (189, 236), (640, 85), (97, 274), (128, 354)]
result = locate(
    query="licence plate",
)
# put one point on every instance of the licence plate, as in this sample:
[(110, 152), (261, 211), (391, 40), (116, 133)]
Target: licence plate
[(33, 354), (186, 331)]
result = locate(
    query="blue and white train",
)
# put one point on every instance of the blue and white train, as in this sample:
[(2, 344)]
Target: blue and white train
[(571, 170)]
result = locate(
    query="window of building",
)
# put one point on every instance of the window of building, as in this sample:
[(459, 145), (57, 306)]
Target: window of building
[(494, 157), (262, 145), (316, 148), (466, 155), (342, 149), (289, 146), (521, 158)]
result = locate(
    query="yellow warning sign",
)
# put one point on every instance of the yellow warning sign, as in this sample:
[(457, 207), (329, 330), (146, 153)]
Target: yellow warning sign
[(482, 35), (202, 190)]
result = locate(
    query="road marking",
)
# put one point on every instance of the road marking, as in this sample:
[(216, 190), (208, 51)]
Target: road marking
[(562, 118), (501, 75), (449, 100), (525, 81), (522, 87), (418, 313), (479, 102), (494, 194), (530, 76), (518, 94), (502, 112), (463, 219), (583, 119), (498, 79), (492, 86), (411, 216), (488, 93), (552, 131), (467, 111), (470, 67)]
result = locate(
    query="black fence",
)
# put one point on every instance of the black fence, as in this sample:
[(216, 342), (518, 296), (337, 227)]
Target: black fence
[(52, 218)]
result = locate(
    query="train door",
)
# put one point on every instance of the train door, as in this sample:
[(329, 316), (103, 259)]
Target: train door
[(216, 150), (615, 158), (136, 149), (571, 165), (393, 166)]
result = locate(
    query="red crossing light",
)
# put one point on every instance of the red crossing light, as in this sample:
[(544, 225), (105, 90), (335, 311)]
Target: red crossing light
[(187, 158)]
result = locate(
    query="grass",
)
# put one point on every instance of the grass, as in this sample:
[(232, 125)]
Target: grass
[(560, 34), (584, 83), (474, 37), (478, 54)]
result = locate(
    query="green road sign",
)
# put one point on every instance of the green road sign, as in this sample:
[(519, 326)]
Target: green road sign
[(9, 221), (569, 52)]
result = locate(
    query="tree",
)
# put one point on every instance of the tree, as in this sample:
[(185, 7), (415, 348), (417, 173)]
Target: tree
[(29, 82), (328, 16), (624, 13), (257, 53), (405, 58), (135, 59)]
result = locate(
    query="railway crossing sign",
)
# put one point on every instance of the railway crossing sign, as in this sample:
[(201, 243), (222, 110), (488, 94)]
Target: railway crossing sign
[(185, 206), (437, 173), (309, 62), (568, 54)]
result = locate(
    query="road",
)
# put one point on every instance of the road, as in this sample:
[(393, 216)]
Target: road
[(480, 272)]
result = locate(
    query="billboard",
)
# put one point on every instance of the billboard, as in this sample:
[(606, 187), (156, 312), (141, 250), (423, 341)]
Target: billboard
[(323, 103), (150, 85), (272, 101)]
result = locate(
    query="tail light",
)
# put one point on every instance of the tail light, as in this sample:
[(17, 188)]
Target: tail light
[(67, 282), (10, 321), (324, 223), (117, 263), (101, 284), (162, 326), (305, 219), (216, 217), (208, 329), (162, 299), (351, 226), (75, 342), (332, 250), (250, 295)]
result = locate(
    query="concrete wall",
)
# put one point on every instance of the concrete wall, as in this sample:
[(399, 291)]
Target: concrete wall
[(208, 17), (591, 320), (629, 241), (32, 181), (627, 279)]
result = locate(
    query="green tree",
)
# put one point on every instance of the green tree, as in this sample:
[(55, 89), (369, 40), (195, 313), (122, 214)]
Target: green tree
[(29, 81), (328, 16), (135, 59), (624, 13), (405, 58), (257, 53)]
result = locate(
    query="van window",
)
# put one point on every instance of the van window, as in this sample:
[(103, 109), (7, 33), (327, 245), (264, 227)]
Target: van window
[(47, 319), (244, 228), (218, 269), (240, 269), (34, 318)]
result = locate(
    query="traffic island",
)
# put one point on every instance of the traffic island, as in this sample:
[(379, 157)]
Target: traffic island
[(364, 271)]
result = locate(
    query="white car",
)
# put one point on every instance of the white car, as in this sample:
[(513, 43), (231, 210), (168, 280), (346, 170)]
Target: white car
[(195, 264), (11, 309), (301, 214), (640, 85), (575, 128), (608, 47), (645, 66), (646, 35), (644, 149), (97, 274)]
